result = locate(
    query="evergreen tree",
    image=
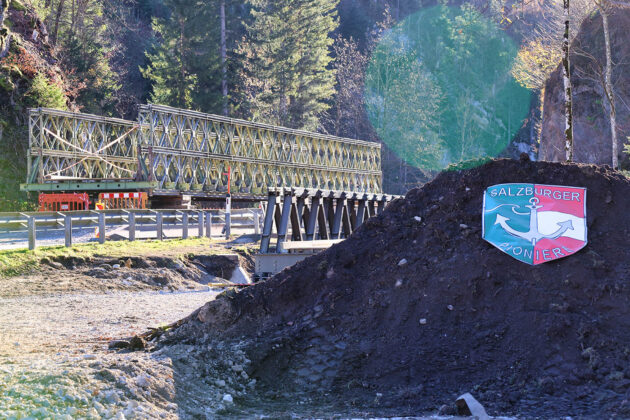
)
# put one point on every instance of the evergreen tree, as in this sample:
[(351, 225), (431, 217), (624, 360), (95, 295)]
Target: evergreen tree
[(287, 78), (185, 68), (169, 70)]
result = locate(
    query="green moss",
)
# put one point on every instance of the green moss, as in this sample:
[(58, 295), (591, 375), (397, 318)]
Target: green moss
[(17, 5), (6, 84)]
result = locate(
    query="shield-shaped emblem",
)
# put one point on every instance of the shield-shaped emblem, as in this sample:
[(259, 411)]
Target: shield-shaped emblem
[(535, 223)]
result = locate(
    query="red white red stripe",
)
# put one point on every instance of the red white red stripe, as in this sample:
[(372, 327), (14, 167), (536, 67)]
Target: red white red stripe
[(120, 195)]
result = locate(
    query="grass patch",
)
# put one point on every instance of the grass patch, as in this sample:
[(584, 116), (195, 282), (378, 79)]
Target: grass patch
[(21, 261)]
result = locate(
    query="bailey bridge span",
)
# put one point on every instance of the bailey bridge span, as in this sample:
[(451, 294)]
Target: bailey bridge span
[(174, 152)]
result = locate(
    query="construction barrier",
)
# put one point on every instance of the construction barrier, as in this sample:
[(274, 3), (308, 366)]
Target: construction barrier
[(128, 200), (63, 202)]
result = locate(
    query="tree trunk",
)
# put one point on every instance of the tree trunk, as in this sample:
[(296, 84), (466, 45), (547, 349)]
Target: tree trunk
[(182, 70), (5, 36), (4, 7), (608, 89), (57, 19), (541, 153), (566, 75), (224, 86)]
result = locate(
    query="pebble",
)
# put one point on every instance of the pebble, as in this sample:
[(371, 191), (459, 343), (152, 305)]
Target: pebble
[(227, 398), (423, 321), (402, 262), (142, 381), (237, 368), (463, 226), (449, 307), (116, 266), (398, 283), (417, 218)]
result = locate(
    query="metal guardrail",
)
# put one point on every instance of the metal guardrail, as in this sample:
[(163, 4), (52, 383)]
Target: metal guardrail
[(33, 222)]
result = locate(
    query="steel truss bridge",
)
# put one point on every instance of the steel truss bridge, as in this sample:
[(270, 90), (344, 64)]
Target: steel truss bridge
[(170, 151)]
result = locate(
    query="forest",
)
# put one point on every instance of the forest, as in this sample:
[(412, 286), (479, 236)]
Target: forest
[(437, 83)]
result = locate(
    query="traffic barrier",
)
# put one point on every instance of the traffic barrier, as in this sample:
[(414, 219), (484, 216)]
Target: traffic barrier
[(127, 200), (63, 202)]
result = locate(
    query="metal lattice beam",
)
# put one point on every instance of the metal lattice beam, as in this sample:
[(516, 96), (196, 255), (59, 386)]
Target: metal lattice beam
[(186, 151), (67, 146)]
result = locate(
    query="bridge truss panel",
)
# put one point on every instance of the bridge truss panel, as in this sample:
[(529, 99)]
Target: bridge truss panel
[(67, 146), (191, 151)]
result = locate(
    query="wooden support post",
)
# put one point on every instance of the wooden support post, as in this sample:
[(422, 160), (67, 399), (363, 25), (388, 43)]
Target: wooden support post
[(300, 203), (329, 212), (101, 228), (67, 224), (296, 225), (200, 220), (371, 209), (336, 224), (322, 222), (31, 233), (312, 219), (360, 213), (268, 225), (284, 220), (381, 206), (184, 225), (351, 206), (159, 218), (209, 225), (132, 226), (346, 223)]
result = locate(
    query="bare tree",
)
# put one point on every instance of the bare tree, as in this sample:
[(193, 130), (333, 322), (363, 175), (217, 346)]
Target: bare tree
[(566, 78), (605, 7), (556, 24), (600, 74)]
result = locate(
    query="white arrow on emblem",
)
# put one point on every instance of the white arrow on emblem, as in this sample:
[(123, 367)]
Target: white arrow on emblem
[(533, 235)]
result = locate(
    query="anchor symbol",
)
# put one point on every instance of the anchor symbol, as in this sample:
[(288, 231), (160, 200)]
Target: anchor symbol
[(533, 235)]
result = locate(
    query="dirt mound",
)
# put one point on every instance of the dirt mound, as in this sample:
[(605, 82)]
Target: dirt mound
[(356, 327)]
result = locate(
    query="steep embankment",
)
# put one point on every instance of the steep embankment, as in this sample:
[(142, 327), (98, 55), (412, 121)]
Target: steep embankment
[(417, 312), (29, 77)]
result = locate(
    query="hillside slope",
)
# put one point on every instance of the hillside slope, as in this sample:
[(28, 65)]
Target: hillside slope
[(29, 77)]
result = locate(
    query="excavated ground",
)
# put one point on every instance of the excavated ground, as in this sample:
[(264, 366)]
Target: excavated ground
[(342, 331)]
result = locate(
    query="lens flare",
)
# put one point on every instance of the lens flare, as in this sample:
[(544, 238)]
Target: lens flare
[(438, 88)]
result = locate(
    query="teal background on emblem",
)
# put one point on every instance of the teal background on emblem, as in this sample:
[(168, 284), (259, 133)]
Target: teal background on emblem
[(494, 233)]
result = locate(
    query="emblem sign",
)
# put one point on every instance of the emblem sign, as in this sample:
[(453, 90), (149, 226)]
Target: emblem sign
[(535, 223)]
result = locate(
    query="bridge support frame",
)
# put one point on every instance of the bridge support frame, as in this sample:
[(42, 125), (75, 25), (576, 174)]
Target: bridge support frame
[(316, 214)]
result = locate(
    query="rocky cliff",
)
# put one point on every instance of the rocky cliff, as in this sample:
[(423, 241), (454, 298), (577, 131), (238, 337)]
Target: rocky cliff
[(30, 77), (591, 125)]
